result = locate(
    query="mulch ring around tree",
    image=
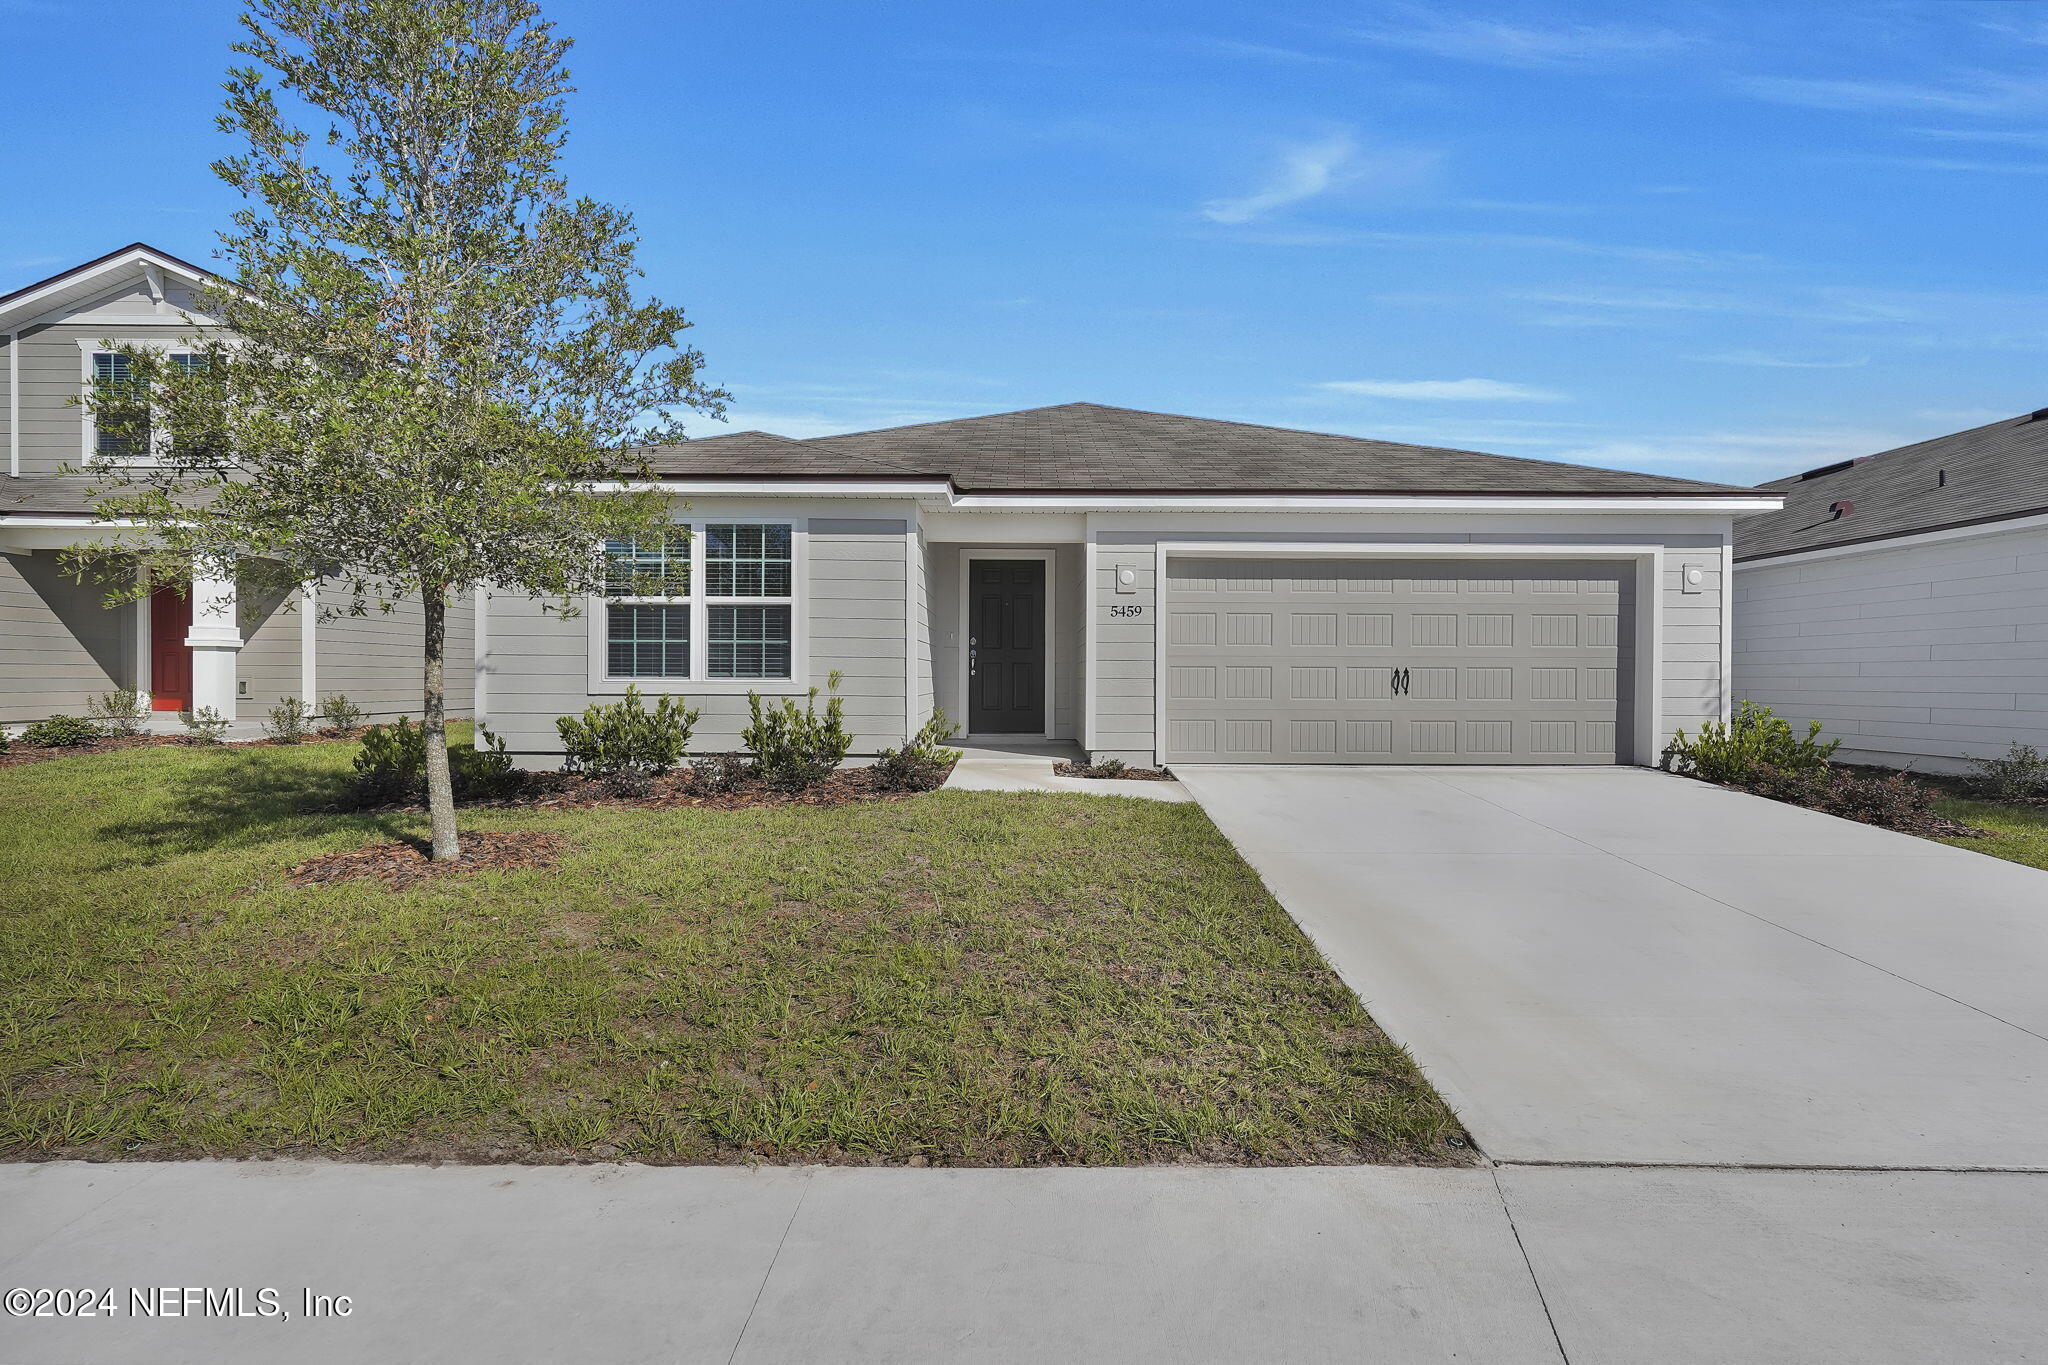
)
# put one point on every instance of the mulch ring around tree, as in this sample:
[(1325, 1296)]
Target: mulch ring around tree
[(406, 863)]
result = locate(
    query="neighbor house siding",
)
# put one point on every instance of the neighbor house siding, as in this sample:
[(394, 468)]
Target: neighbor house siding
[(59, 645), (1692, 689), (1922, 654), (852, 598), (375, 660)]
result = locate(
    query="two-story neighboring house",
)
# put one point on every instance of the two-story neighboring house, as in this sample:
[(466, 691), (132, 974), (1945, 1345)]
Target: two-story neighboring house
[(219, 645)]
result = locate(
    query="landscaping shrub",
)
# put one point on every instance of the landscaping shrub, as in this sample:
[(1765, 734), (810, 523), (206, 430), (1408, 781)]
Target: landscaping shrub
[(794, 747), (392, 767), (289, 722), (1753, 738), (204, 726), (922, 764), (721, 774), (344, 717), (2021, 775), (627, 736), (60, 732), (1891, 800), (121, 711)]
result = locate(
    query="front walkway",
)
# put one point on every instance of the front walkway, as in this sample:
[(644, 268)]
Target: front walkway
[(683, 1264), (1026, 765)]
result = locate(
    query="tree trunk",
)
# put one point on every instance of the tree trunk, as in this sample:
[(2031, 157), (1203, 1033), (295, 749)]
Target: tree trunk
[(440, 790)]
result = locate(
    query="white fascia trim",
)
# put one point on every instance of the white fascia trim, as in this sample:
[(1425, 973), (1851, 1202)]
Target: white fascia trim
[(1294, 549), (1089, 650), (1983, 528), (1339, 503), (11, 523), (1141, 502), (30, 304)]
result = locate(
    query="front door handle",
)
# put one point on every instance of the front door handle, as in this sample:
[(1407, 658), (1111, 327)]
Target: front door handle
[(970, 656)]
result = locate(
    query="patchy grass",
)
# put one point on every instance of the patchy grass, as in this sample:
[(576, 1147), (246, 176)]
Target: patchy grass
[(959, 978), (2022, 830)]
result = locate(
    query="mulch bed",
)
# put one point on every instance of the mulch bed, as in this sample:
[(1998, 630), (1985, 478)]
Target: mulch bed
[(400, 865), (20, 753), (679, 789), (1127, 775)]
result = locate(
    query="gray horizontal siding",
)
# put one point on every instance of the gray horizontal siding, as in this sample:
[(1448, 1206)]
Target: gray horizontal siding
[(1926, 654), (375, 659), (59, 645), (538, 662)]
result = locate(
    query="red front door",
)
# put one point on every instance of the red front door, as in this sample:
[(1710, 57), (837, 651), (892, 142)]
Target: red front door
[(170, 658)]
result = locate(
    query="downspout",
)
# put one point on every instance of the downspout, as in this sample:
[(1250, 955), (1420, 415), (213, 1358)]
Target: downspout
[(14, 404)]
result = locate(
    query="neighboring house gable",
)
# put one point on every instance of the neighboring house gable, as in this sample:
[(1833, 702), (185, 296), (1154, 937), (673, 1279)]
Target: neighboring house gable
[(1902, 599)]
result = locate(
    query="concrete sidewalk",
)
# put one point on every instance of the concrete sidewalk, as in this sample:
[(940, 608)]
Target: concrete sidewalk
[(683, 1264)]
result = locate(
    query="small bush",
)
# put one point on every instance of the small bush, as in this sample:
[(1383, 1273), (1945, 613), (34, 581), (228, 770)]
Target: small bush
[(626, 735), (60, 732), (627, 784), (1891, 800), (204, 726), (2021, 775), (922, 764), (290, 721), (1107, 767), (720, 774), (796, 747), (1753, 738), (121, 711), (392, 768), (344, 717)]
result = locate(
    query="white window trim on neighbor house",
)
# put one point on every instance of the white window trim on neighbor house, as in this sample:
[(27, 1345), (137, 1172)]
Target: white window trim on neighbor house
[(88, 449), (1047, 634), (700, 600)]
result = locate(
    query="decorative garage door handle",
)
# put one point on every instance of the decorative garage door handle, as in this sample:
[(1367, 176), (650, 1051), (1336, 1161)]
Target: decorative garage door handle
[(1398, 684)]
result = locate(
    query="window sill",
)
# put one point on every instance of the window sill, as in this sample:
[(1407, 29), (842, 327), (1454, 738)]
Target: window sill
[(686, 687)]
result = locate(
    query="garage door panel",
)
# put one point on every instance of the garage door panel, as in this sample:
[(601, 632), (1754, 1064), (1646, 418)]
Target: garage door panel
[(1397, 661)]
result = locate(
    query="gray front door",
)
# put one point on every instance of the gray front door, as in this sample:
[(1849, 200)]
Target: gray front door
[(1398, 661)]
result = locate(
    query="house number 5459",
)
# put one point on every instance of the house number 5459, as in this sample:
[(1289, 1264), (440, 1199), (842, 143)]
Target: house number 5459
[(1126, 609)]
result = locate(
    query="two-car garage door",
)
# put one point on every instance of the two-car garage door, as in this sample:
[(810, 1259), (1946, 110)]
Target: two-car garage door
[(1398, 661)]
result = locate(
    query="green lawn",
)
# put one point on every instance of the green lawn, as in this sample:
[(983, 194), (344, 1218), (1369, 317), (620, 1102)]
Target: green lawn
[(961, 977), (2023, 830)]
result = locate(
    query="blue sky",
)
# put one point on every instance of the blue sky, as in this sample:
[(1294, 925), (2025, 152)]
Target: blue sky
[(1730, 241)]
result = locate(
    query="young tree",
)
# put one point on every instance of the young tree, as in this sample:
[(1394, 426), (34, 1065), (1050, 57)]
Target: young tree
[(433, 360)]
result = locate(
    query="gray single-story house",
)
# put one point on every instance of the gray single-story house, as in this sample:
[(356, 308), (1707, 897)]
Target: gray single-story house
[(220, 645), (1902, 598), (1158, 589)]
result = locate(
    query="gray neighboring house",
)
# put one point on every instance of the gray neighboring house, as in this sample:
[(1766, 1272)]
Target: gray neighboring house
[(222, 645), (1902, 598), (1158, 589)]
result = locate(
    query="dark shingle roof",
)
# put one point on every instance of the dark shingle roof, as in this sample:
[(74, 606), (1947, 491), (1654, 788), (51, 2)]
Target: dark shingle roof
[(1985, 474), (46, 497), (1086, 447)]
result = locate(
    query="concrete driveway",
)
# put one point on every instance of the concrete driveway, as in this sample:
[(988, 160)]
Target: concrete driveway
[(1623, 966)]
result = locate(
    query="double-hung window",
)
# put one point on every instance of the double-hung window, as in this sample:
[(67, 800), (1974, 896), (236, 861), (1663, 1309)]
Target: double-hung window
[(121, 425), (711, 601)]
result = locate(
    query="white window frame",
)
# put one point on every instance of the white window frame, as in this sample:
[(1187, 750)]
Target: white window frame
[(159, 439), (700, 602)]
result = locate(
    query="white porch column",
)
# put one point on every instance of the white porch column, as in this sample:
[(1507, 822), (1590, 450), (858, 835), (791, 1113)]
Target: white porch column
[(215, 638)]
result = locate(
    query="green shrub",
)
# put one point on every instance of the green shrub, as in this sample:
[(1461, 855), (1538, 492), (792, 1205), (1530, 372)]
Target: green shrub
[(204, 726), (392, 768), (922, 764), (121, 711), (290, 721), (626, 735), (344, 717), (2021, 775), (60, 732), (1753, 738), (796, 747)]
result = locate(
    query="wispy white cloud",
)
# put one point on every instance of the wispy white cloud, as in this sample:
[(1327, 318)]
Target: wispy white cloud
[(1307, 170), (1765, 360), (1499, 44), (2011, 137), (1742, 457), (1962, 418), (1443, 390), (1985, 94), (1946, 164), (1502, 241)]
